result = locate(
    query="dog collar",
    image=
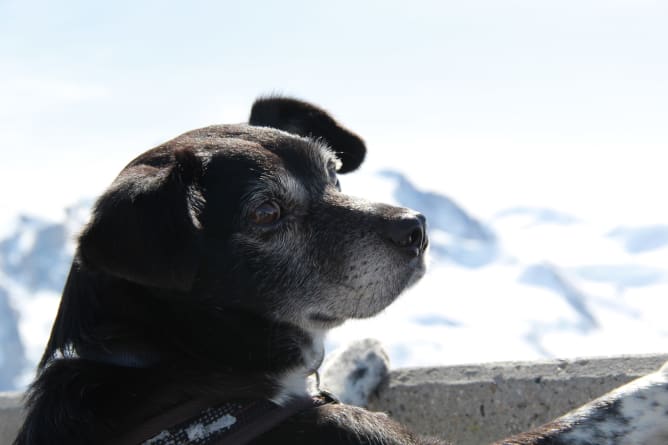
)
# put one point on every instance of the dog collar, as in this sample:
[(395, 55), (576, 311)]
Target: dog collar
[(233, 422)]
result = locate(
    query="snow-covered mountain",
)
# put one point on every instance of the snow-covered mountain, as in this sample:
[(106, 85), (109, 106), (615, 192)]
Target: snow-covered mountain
[(35, 256), (12, 354), (524, 283)]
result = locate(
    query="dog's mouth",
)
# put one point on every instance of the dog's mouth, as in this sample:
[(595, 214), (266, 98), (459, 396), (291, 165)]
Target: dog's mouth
[(325, 320)]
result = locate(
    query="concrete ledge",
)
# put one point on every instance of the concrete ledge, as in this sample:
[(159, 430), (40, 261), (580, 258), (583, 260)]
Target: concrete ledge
[(473, 404), (10, 416), (478, 404)]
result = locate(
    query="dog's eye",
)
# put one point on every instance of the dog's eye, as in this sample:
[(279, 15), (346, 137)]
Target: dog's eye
[(266, 213)]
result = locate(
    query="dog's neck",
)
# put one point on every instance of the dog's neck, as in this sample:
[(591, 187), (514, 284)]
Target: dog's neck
[(217, 338), (294, 382), (224, 354)]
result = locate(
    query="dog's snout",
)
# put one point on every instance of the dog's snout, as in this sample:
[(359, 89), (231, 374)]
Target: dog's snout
[(408, 232)]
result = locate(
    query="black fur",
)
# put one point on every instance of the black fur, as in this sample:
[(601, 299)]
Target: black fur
[(304, 119), (174, 295)]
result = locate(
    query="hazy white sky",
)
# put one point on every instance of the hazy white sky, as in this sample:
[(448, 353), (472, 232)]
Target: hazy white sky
[(563, 103)]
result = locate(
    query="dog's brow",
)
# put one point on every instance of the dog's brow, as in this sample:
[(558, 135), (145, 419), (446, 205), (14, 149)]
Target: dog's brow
[(282, 185), (293, 188)]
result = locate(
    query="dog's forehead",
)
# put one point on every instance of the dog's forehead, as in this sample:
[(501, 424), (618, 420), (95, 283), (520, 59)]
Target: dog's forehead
[(261, 148), (267, 147)]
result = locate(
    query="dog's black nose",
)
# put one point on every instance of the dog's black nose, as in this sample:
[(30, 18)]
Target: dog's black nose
[(408, 232)]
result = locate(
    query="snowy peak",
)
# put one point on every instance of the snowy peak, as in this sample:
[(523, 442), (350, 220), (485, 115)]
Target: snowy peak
[(35, 256), (641, 239), (36, 253), (12, 354)]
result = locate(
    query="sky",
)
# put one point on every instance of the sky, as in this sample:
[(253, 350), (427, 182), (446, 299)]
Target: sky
[(560, 105), (535, 102)]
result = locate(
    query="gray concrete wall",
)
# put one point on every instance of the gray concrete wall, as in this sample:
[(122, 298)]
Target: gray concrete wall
[(474, 404), (478, 404), (10, 416)]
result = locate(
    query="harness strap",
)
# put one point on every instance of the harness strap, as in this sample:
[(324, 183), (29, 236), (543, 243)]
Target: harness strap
[(229, 423), (265, 420)]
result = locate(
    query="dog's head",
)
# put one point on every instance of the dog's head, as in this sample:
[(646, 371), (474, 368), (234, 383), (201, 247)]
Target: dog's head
[(252, 217)]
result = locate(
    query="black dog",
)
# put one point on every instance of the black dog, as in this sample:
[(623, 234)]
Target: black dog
[(211, 269), (203, 285)]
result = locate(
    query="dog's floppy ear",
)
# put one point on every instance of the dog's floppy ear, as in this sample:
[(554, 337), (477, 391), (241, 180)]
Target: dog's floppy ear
[(304, 119), (145, 227)]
